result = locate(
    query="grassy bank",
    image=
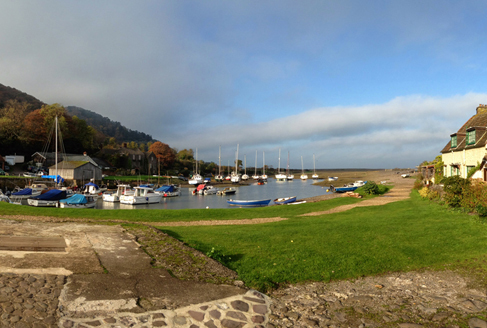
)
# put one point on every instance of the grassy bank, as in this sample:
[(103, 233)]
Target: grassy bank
[(401, 236)]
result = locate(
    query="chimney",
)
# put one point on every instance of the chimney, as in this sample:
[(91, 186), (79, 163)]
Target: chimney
[(482, 109)]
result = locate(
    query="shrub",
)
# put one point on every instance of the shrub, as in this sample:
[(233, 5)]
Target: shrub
[(454, 188), (474, 198), (428, 193), (370, 188)]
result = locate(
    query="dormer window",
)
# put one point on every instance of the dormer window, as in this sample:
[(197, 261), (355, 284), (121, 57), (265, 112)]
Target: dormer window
[(454, 141), (471, 137)]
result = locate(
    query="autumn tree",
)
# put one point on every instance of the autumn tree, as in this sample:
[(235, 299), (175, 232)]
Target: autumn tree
[(12, 120), (165, 155)]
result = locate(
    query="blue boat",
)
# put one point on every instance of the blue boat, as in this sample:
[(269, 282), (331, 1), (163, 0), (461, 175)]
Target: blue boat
[(285, 200), (349, 187), (77, 201), (49, 199), (262, 202)]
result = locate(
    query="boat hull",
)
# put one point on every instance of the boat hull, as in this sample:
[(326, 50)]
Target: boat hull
[(262, 202), (42, 203), (136, 200), (285, 200)]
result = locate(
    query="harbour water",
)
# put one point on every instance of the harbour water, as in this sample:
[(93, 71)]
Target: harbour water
[(271, 190)]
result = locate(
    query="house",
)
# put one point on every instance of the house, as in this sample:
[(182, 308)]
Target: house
[(80, 171), (468, 147), (49, 159), (137, 159)]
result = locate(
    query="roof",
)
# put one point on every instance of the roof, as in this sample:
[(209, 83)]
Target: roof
[(478, 122), (67, 157), (69, 165)]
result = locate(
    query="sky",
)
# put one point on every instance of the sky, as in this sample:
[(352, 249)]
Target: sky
[(359, 84)]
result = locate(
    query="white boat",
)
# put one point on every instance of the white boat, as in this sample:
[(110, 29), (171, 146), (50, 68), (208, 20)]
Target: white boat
[(114, 197), (48, 199), (168, 191), (332, 178), (280, 176), (303, 176), (4, 198), (256, 176), (142, 195), (77, 201), (289, 176), (245, 176), (314, 176), (235, 176), (263, 176), (196, 178), (210, 190), (219, 177)]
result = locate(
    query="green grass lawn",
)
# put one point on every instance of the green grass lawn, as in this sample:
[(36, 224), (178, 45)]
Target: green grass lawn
[(400, 236)]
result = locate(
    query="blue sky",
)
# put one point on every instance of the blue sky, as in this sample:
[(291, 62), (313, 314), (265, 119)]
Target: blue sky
[(361, 84)]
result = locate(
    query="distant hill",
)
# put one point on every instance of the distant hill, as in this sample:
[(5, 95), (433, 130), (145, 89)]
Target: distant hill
[(108, 127), (7, 93)]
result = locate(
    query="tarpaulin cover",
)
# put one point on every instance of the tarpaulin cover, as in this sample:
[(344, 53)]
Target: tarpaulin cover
[(75, 199), (23, 192), (165, 189), (53, 194), (201, 186), (56, 178), (92, 185)]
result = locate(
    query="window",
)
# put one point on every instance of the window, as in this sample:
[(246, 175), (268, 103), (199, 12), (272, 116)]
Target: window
[(471, 137), (455, 170), (453, 141)]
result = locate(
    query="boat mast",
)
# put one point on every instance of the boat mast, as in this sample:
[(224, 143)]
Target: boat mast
[(56, 147), (263, 163), (236, 162), (287, 169), (255, 163), (279, 165), (302, 166), (220, 161), (245, 164), (314, 164)]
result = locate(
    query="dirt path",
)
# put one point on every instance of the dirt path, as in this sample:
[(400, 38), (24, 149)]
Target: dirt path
[(402, 189)]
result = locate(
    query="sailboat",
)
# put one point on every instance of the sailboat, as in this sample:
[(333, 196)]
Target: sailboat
[(255, 176), (303, 176), (280, 176), (52, 197), (264, 176), (314, 176), (245, 177), (220, 177), (289, 177), (197, 178), (236, 177)]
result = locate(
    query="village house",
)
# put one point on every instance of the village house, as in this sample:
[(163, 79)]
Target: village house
[(139, 161), (468, 147)]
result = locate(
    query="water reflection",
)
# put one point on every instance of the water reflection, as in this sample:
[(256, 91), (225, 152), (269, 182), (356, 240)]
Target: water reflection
[(271, 190)]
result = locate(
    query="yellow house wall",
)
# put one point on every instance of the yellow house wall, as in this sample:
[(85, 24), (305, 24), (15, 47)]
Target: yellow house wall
[(470, 157)]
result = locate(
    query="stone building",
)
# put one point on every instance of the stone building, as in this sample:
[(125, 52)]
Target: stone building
[(80, 171), (468, 147)]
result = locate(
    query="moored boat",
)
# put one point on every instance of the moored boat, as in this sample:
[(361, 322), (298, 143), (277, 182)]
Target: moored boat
[(77, 201), (261, 202), (114, 197), (142, 195), (168, 191), (285, 200), (226, 191), (48, 199), (332, 178)]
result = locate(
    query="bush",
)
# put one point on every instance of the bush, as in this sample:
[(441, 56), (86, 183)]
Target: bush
[(370, 188), (428, 193), (454, 188), (474, 198)]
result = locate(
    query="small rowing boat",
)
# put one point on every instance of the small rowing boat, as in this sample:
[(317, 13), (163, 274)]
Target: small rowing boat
[(262, 202), (285, 200)]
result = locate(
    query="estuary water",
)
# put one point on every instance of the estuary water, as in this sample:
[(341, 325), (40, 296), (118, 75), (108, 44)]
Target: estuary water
[(271, 190)]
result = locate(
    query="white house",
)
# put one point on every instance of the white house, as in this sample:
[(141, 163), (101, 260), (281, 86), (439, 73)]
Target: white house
[(468, 147)]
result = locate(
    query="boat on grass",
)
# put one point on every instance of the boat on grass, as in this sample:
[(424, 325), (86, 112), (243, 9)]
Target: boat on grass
[(349, 187), (261, 202), (77, 201), (285, 200), (47, 199), (332, 178)]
